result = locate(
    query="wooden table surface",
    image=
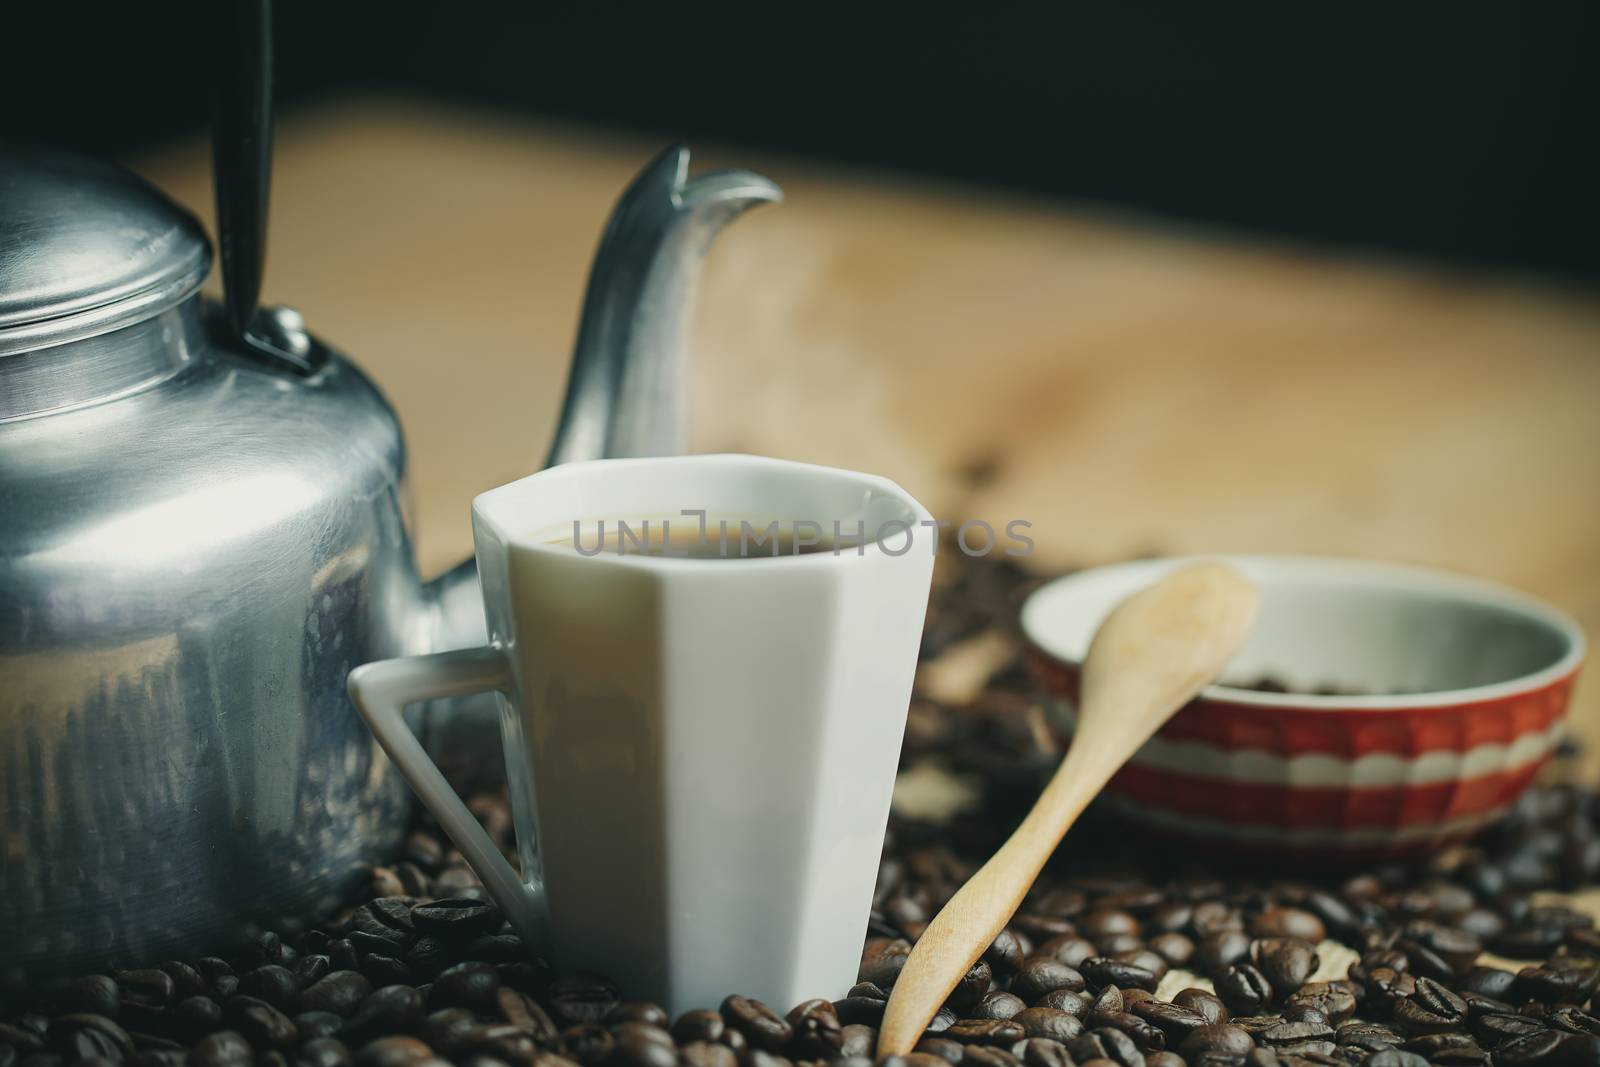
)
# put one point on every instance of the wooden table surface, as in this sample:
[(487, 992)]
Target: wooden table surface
[(1125, 385)]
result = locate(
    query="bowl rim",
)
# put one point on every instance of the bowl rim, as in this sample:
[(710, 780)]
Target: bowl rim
[(1401, 575)]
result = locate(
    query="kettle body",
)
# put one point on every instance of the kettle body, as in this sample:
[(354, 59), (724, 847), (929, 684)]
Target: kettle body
[(197, 545)]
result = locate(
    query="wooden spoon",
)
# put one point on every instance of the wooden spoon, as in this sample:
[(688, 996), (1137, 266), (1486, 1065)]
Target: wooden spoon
[(1151, 655)]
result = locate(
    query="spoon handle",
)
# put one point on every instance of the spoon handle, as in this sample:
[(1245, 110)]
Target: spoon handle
[(1153, 653)]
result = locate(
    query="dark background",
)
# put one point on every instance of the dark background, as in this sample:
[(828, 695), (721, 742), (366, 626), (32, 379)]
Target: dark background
[(1463, 132)]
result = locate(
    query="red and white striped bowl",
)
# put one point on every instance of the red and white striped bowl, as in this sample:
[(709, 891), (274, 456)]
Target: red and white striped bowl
[(1478, 678)]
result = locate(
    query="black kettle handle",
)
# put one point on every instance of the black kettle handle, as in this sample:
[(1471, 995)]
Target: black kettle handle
[(241, 147)]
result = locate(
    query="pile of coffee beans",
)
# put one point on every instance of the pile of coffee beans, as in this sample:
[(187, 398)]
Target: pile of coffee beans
[(1122, 955)]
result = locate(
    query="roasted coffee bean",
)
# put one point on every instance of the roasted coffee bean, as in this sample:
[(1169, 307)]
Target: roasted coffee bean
[(942, 1020), (1478, 1006), (1387, 988), (469, 985), (310, 1025), (447, 1030), (1173, 947), (1043, 1052), (1207, 1005), (1456, 947), (1106, 922), (1553, 985), (1041, 927), (1174, 1020), (322, 1052), (1213, 916), (1108, 999), (998, 1005), (1573, 1020), (309, 970), (589, 1043), (1170, 916), (1049, 1023), (1370, 1037), (1431, 1009), (637, 1046), (762, 1027), (1244, 989), (1143, 1033), (459, 917), (1144, 959), (947, 1050), (817, 1031), (987, 1031), (1335, 914), (393, 1052), (196, 1016), (1334, 1002), (1488, 981), (1116, 944), (1529, 1049), (1496, 1030), (1424, 961), (1163, 1059), (149, 985), (1256, 1024), (988, 1056), (1301, 1013), (339, 992), (972, 988), (261, 1024), (1396, 1058), (384, 970), (698, 1024), (1287, 922), (392, 1008), (1120, 1048), (86, 1035), (1217, 1037), (581, 998), (1579, 1050), (1041, 975), (1447, 1048), (882, 960), (1005, 953), (521, 1010), (1099, 972), (1071, 950), (1220, 950), (857, 1040), (1066, 1000), (859, 1010), (1290, 1033), (97, 994), (1285, 962), (225, 1048), (707, 1054), (343, 956)]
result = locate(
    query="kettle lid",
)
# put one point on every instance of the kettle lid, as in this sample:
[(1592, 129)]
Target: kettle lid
[(86, 248)]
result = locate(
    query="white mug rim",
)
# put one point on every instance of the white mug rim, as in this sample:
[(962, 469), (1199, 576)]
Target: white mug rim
[(484, 504)]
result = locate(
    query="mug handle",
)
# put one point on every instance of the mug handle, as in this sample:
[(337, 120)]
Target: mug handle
[(381, 690)]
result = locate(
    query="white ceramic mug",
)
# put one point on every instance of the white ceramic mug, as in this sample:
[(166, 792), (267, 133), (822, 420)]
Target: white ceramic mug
[(700, 752)]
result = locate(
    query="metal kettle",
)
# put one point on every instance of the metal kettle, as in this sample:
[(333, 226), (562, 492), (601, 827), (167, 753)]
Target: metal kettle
[(202, 531)]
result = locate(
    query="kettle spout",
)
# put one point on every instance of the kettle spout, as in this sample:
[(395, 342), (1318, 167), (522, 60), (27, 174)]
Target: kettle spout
[(625, 395)]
